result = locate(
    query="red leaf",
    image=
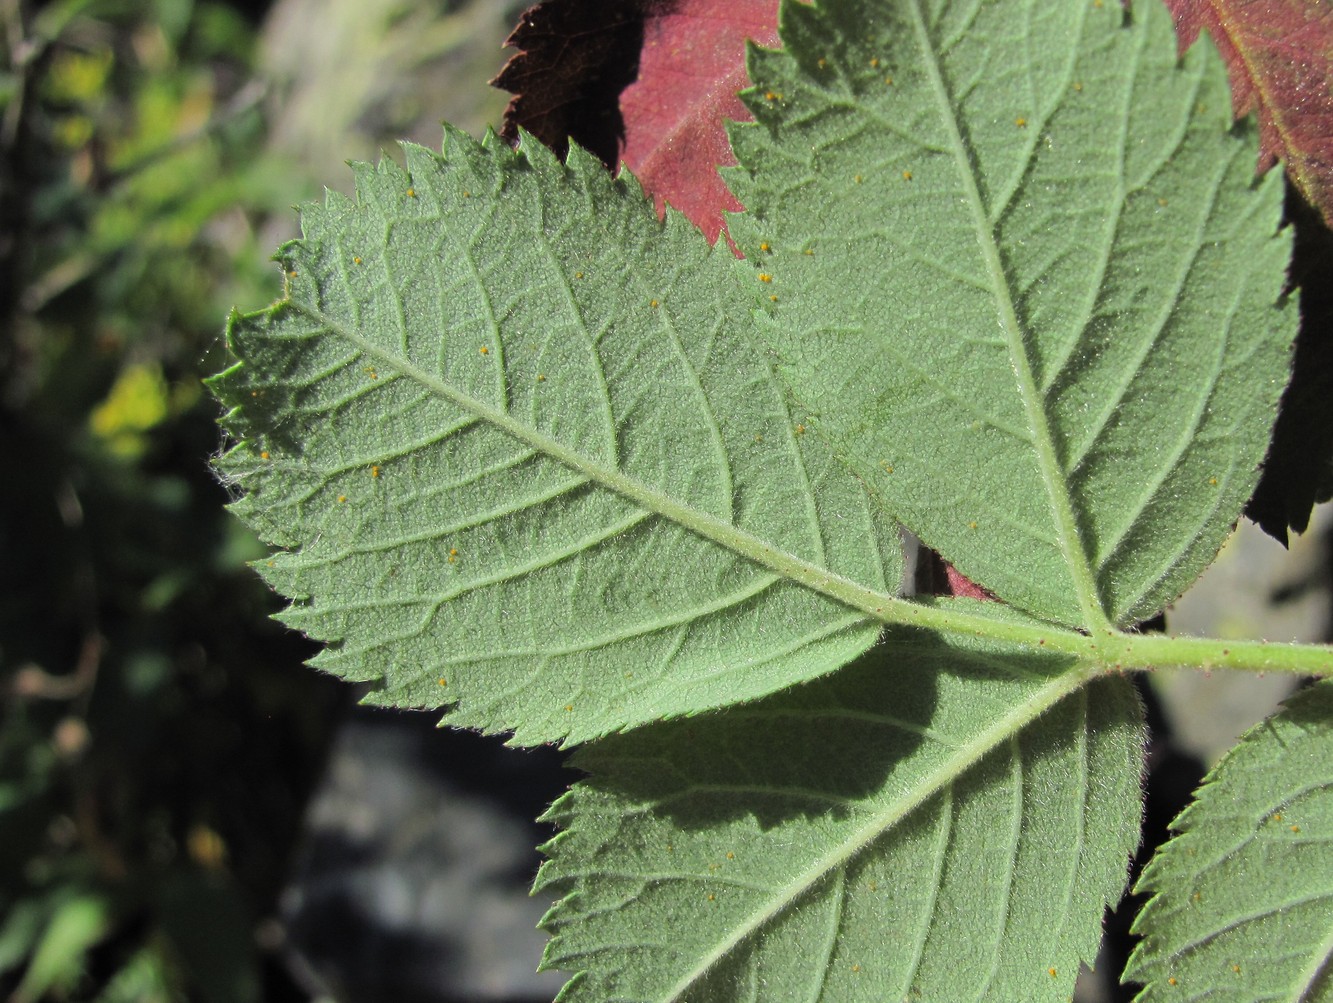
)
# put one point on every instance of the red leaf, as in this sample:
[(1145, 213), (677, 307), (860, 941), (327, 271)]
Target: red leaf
[(1280, 58), (692, 65)]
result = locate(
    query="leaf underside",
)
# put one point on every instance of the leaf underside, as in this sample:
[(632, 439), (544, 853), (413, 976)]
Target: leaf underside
[(517, 449), (1242, 905), (884, 834), (989, 232)]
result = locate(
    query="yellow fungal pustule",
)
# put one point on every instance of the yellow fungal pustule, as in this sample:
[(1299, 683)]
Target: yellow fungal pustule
[(411, 193), (765, 277), (342, 499), (485, 350), (907, 175), (1021, 122), (356, 261), (764, 247), (541, 377), (453, 554), (374, 471), (874, 63), (653, 304), (263, 454)]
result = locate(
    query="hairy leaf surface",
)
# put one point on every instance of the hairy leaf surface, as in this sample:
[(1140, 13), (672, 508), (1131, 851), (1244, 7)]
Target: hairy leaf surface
[(989, 233), (910, 828), (1242, 905), (530, 462)]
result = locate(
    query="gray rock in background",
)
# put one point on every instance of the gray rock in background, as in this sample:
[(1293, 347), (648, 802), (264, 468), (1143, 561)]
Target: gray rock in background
[(419, 851), (1255, 589)]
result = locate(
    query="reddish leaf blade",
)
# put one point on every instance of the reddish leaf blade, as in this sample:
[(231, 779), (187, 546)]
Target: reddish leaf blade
[(1280, 59), (692, 66)]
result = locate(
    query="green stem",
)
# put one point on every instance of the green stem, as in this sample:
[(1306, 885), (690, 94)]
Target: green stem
[(1111, 649)]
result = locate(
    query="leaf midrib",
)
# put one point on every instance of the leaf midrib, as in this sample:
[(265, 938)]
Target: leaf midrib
[(882, 606), (947, 772), (1076, 558)]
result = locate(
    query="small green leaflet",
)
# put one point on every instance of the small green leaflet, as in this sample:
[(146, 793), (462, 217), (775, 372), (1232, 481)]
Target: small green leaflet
[(934, 822), (529, 461), (1242, 897), (991, 229)]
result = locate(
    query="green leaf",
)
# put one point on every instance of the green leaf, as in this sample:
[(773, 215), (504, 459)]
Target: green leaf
[(532, 461), (1242, 898), (1025, 282), (77, 923), (910, 828)]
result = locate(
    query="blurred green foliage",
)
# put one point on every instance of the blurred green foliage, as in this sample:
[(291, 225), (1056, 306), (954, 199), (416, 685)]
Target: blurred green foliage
[(155, 746)]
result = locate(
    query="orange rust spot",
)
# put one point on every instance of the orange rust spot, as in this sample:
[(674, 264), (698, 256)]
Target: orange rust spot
[(374, 471), (773, 298), (907, 175), (263, 455), (764, 247), (442, 681), (765, 277), (1051, 972), (874, 62), (356, 261), (485, 350), (411, 193), (730, 855), (342, 499), (1021, 122), (653, 304)]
